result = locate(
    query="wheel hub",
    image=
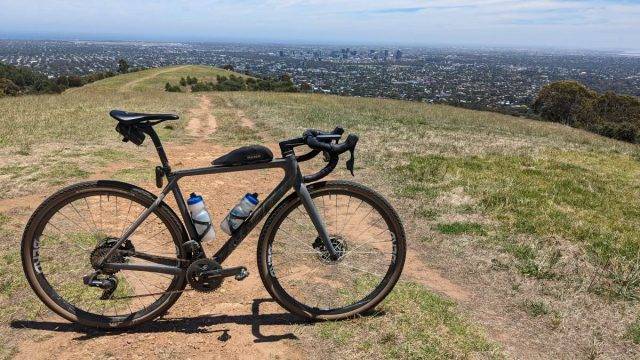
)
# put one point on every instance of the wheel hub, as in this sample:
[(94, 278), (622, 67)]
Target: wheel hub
[(339, 244)]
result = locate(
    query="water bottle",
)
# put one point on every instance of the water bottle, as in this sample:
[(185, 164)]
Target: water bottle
[(239, 213), (201, 218)]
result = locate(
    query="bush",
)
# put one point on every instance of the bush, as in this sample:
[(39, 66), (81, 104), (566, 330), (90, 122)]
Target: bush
[(201, 86), (571, 103), (191, 80), (8, 88), (27, 81), (172, 88)]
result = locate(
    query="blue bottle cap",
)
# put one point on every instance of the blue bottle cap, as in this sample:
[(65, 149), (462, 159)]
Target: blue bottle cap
[(252, 198), (194, 199)]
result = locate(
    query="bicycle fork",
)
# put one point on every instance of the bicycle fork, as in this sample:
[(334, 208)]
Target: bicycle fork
[(301, 189)]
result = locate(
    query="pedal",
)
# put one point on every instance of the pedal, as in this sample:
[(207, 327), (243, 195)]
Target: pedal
[(242, 274)]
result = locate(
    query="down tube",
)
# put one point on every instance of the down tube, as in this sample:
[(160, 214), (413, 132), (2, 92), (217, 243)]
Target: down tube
[(256, 216)]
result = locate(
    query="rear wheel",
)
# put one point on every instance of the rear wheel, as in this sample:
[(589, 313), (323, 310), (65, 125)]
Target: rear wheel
[(297, 270), (72, 230)]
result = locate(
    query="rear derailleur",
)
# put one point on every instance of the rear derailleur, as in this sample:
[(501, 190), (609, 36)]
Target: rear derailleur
[(106, 282), (103, 278)]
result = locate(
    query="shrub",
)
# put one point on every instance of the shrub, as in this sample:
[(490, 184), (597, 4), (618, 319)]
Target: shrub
[(172, 88), (8, 88), (571, 103)]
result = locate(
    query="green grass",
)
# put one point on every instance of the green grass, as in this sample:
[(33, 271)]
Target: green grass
[(413, 323), (633, 332), (535, 308), (592, 199)]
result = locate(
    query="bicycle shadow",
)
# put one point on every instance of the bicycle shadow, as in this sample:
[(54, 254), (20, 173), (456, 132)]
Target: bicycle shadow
[(191, 325)]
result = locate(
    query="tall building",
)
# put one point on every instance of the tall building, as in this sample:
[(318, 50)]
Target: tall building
[(398, 55)]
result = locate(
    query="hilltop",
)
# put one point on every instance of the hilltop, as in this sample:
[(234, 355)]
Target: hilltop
[(522, 234)]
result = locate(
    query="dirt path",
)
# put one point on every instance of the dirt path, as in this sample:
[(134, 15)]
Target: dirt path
[(202, 123), (129, 86), (242, 117)]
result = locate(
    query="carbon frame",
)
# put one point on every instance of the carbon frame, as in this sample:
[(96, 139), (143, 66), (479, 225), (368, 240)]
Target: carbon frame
[(292, 179)]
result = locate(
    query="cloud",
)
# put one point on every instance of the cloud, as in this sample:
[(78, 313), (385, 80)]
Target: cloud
[(398, 10), (588, 23)]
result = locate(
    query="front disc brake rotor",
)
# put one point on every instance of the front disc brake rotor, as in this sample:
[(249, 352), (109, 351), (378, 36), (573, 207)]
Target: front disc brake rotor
[(339, 244)]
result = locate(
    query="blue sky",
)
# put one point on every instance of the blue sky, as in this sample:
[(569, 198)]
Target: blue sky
[(596, 24)]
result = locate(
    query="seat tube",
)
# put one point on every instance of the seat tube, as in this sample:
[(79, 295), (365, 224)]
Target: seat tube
[(158, 145), (312, 210)]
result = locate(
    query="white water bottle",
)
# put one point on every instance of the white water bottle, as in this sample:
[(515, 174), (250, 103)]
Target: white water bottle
[(201, 218), (239, 213)]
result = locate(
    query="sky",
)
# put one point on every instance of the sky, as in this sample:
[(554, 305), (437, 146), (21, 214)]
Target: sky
[(570, 24)]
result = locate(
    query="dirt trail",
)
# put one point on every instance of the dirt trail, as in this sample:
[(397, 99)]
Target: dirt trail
[(242, 117), (416, 270), (202, 123)]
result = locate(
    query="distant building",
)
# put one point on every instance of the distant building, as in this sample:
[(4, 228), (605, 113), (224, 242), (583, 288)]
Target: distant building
[(398, 55)]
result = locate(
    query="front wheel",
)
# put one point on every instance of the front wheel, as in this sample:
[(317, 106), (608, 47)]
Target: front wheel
[(297, 270)]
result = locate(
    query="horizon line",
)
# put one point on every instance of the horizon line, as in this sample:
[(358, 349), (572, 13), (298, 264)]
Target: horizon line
[(122, 38)]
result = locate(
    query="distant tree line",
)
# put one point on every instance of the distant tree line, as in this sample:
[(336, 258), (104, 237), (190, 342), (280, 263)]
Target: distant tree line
[(16, 81), (235, 83), (608, 114)]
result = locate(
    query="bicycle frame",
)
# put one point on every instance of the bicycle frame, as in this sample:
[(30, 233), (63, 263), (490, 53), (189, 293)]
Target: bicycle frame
[(292, 179)]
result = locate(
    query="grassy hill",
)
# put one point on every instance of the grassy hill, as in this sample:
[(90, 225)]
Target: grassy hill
[(527, 229)]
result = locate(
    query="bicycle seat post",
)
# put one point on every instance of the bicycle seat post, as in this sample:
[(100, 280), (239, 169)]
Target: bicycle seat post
[(148, 129)]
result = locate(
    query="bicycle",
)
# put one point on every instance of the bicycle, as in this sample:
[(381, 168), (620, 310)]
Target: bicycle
[(108, 254)]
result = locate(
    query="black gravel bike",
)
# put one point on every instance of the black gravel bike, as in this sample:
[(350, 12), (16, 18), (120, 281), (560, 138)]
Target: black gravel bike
[(108, 254)]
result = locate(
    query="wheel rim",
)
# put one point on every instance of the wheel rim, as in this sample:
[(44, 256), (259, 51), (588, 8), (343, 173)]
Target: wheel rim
[(301, 269), (73, 229)]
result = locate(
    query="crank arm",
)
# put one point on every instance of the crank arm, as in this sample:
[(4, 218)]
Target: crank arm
[(240, 272)]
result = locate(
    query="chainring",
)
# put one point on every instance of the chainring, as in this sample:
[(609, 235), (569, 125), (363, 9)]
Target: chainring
[(199, 282)]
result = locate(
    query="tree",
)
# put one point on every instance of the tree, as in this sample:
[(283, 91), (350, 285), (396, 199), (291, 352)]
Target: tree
[(183, 82), (172, 88), (571, 103), (285, 78), (562, 101), (306, 87), (8, 88), (123, 66)]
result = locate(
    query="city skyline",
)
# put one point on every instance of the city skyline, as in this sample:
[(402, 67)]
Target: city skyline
[(560, 24)]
